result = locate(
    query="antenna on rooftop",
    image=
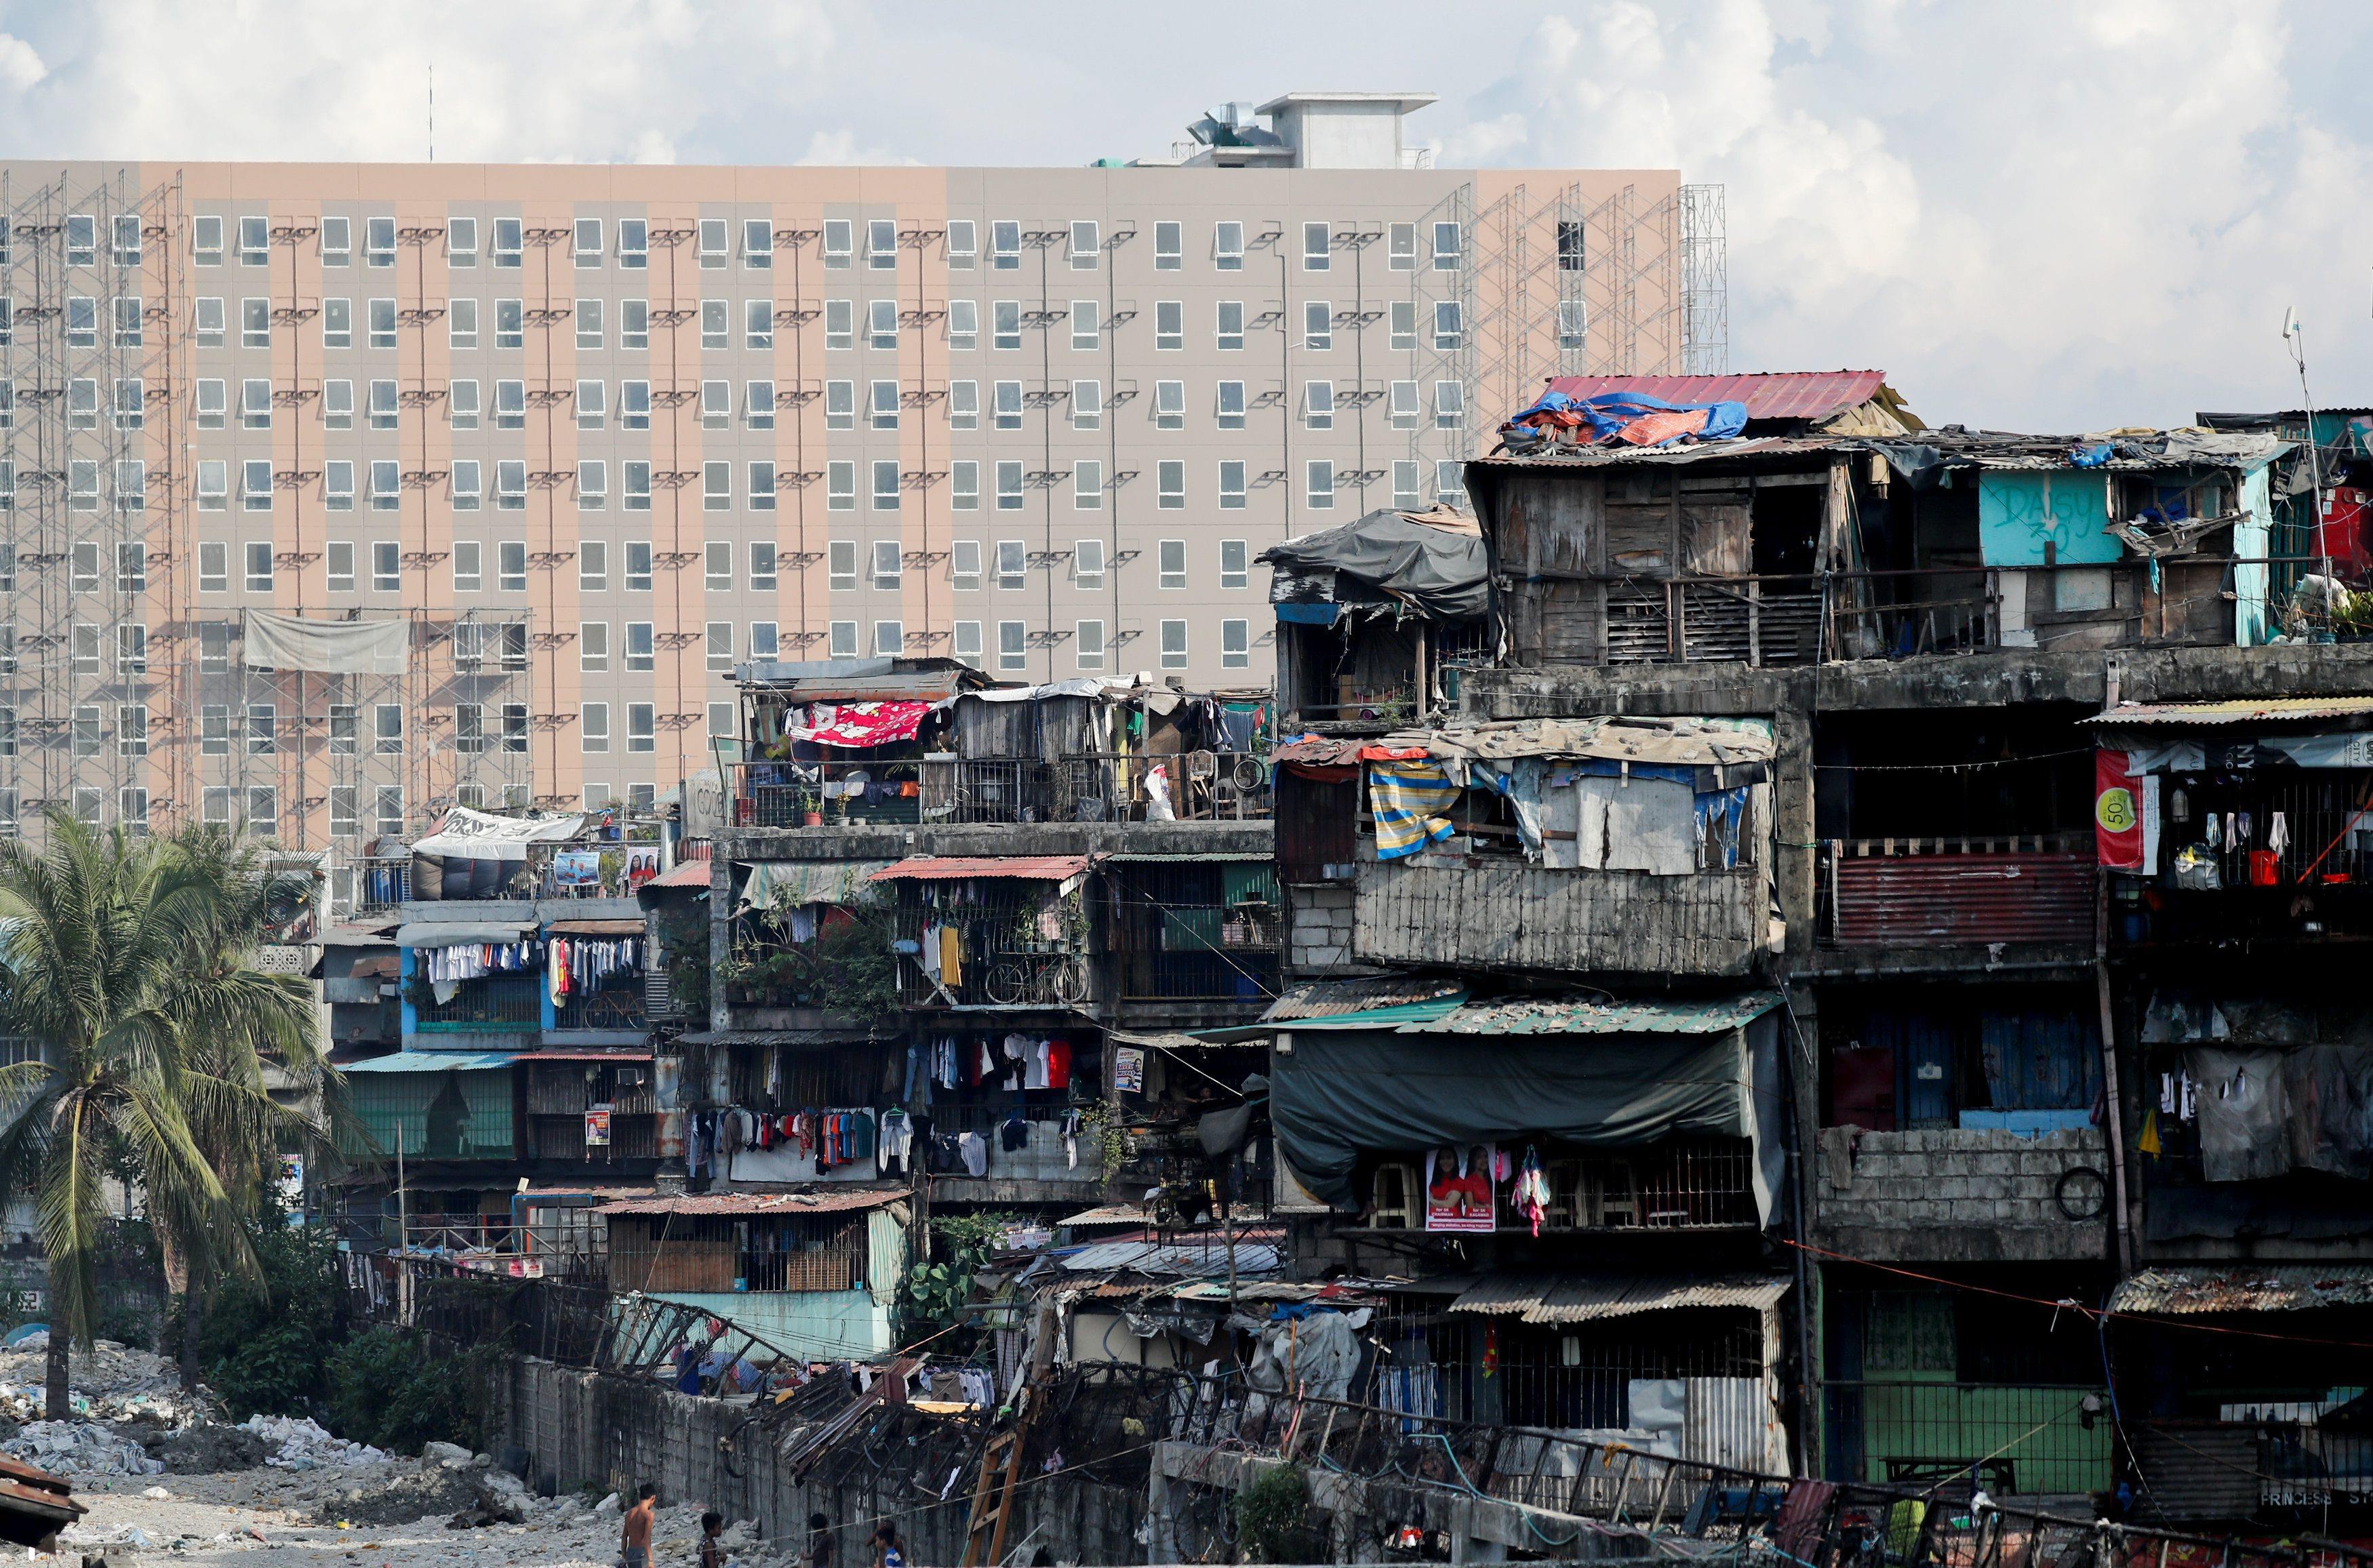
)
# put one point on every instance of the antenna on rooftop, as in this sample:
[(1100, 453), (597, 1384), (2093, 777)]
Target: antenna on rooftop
[(432, 113), (2294, 340)]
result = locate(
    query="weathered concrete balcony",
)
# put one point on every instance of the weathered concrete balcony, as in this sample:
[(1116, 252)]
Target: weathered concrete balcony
[(1499, 913)]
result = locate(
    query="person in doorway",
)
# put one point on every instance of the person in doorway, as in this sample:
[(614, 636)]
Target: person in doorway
[(820, 1545), (635, 1529), (888, 1551)]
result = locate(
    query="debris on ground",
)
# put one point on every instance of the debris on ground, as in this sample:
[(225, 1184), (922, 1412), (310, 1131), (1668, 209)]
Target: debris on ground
[(81, 1447), (299, 1443), (109, 1382)]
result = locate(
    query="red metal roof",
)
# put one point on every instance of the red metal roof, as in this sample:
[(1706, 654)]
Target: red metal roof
[(688, 873), (1032, 867), (742, 1204), (1789, 394)]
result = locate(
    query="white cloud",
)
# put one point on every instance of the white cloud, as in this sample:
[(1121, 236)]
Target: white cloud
[(840, 148), (20, 63), (2032, 214), (2028, 215)]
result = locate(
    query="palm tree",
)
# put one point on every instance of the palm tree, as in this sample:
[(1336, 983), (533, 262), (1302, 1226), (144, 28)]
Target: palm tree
[(125, 960)]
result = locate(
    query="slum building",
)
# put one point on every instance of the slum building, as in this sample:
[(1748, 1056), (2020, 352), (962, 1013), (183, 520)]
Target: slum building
[(486, 1000), (2064, 779), (959, 933)]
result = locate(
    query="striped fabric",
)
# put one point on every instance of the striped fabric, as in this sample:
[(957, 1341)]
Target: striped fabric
[(1409, 799)]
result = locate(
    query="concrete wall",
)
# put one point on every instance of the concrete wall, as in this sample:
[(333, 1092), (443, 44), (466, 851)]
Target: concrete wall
[(593, 1429), (1950, 1195), (1318, 929)]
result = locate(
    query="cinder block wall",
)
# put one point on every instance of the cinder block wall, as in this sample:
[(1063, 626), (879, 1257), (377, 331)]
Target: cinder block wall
[(1947, 1193)]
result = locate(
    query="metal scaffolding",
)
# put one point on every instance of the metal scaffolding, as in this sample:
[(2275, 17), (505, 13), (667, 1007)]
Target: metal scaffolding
[(122, 699)]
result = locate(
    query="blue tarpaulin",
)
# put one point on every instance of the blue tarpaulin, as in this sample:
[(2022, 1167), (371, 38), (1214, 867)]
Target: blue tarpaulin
[(1605, 413)]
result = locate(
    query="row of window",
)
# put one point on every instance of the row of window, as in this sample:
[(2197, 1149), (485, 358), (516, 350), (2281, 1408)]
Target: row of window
[(886, 566), (259, 805), (636, 652), (627, 241), (1445, 324), (1088, 484), (1084, 401)]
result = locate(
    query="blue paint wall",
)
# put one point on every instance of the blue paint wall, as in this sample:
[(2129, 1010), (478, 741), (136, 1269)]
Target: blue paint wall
[(824, 1325), (2020, 512)]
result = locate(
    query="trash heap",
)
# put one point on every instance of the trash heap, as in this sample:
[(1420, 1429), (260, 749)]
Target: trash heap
[(81, 1447), (299, 1443), (112, 1382)]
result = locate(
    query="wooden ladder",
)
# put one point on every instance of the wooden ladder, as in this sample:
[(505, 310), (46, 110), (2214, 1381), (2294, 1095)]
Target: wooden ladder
[(993, 1497)]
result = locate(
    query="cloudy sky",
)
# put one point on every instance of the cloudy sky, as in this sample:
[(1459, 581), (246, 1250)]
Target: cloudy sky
[(2034, 215)]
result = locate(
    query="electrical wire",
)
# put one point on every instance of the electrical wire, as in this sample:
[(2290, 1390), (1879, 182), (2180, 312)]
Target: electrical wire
[(2065, 1305)]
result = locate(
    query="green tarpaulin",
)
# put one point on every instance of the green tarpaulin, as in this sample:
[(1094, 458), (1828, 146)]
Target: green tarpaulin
[(1345, 1094)]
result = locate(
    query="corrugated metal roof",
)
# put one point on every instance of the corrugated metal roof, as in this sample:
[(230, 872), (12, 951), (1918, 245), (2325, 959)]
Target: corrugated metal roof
[(435, 1062), (1170, 1257), (1578, 1298), (1149, 858), (2233, 711), (835, 1201), (1329, 999), (1590, 1015), (775, 1037), (688, 873), (1784, 394), (2248, 1287), (1031, 867), (596, 928), (1110, 1214), (1924, 900)]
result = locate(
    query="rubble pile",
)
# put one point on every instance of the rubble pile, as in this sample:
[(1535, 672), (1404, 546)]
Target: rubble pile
[(300, 1443), (81, 1447), (111, 1382)]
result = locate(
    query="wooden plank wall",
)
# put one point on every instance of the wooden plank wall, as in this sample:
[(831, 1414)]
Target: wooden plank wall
[(1550, 534), (1512, 916)]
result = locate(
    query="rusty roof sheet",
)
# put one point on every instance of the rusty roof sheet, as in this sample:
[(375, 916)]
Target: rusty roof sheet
[(1596, 1015), (1110, 1214), (740, 1205), (1331, 998), (2233, 711), (2247, 1287), (684, 873), (1030, 868), (1783, 394), (1584, 1298)]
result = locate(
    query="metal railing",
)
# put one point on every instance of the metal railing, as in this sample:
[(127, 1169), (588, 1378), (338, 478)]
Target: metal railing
[(2013, 1437), (503, 1000), (1685, 1184), (815, 794), (619, 1006), (1917, 612)]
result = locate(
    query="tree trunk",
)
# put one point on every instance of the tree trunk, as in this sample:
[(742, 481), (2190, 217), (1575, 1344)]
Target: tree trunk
[(56, 1405), (194, 1323)]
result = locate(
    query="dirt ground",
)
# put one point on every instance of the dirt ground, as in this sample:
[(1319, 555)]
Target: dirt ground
[(208, 1518)]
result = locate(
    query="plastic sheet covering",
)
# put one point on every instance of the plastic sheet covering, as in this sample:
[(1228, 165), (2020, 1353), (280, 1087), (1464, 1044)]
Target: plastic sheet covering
[(860, 723), (1409, 799), (334, 648), (1432, 561), (1342, 1094), (786, 885), (2267, 1113), (2242, 1108), (482, 836)]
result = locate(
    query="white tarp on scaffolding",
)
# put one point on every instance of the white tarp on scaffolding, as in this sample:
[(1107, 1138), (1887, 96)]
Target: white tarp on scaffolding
[(482, 836), (331, 648)]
